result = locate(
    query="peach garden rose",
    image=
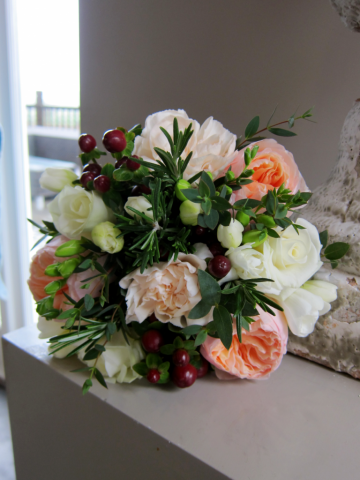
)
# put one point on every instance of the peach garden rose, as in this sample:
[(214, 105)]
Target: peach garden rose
[(273, 165), (259, 354)]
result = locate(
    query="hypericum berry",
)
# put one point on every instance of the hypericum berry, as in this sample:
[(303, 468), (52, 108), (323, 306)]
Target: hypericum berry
[(184, 376), (86, 177), (152, 340), (217, 249), (219, 266), (132, 165), (139, 190), (102, 183), (180, 357), (202, 371), (153, 375), (114, 141), (87, 143), (200, 231), (120, 162), (93, 167)]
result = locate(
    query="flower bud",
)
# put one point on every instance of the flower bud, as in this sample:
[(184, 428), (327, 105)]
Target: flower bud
[(52, 287), (229, 176), (44, 305), (248, 157), (52, 270), (181, 185), (66, 268), (139, 203), (189, 212), (67, 249), (228, 189), (230, 236), (253, 236), (266, 220), (55, 179), (210, 175), (106, 236), (325, 290), (243, 218)]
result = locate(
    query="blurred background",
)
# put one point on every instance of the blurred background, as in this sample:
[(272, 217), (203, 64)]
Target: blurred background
[(88, 66)]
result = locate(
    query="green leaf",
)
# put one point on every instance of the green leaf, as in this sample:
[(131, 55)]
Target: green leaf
[(271, 202), (68, 313), (99, 347), (220, 203), (91, 354), (192, 195), (111, 328), (164, 367), (164, 378), (99, 377), (336, 250), (225, 218), (334, 264), (200, 338), (123, 174), (246, 202), (86, 387), (252, 127), (223, 322), (88, 302), (178, 343), (69, 322), (324, 238), (191, 330), (281, 211), (204, 190), (212, 219), (206, 206), (153, 360), (141, 369), (272, 233), (200, 310), (206, 178), (281, 132), (209, 288), (108, 170), (167, 349)]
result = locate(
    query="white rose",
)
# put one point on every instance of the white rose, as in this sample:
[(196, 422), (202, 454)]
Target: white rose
[(55, 179), (303, 306), (250, 263), (230, 236), (213, 146), (118, 359), (139, 203), (76, 211), (168, 289), (106, 236)]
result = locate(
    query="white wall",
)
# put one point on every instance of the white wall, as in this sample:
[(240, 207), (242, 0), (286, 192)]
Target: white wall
[(231, 59)]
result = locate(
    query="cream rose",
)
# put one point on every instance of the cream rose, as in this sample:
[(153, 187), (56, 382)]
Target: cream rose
[(168, 289), (213, 146), (303, 306), (76, 211), (55, 179), (116, 363)]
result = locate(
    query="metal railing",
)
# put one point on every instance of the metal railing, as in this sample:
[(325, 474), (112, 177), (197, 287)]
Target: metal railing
[(52, 116)]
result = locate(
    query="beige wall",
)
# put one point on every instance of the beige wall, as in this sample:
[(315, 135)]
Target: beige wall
[(231, 59)]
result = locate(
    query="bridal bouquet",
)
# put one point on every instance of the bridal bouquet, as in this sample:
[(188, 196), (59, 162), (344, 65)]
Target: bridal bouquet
[(186, 252)]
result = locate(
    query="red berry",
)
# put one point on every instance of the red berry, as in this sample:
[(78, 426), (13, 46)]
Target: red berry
[(152, 340), (202, 371), (200, 231), (114, 141), (219, 266), (120, 162), (180, 357), (152, 318), (132, 165), (102, 183), (139, 190), (216, 249), (184, 376), (153, 375), (87, 143), (86, 177), (93, 167)]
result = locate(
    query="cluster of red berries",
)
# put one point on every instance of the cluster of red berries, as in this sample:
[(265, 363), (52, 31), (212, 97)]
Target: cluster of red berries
[(219, 266), (183, 373)]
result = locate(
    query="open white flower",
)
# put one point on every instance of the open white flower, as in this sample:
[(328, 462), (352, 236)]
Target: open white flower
[(116, 363), (303, 306), (168, 289), (76, 211), (213, 146), (55, 179), (139, 203)]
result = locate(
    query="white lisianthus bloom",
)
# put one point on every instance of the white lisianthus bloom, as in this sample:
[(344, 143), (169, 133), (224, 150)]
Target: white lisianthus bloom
[(213, 146), (76, 211), (116, 363), (230, 236), (139, 203), (168, 289), (106, 236), (55, 179), (303, 306)]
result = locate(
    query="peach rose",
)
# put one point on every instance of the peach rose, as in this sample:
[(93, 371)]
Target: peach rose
[(38, 280), (273, 165), (259, 354), (168, 289)]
